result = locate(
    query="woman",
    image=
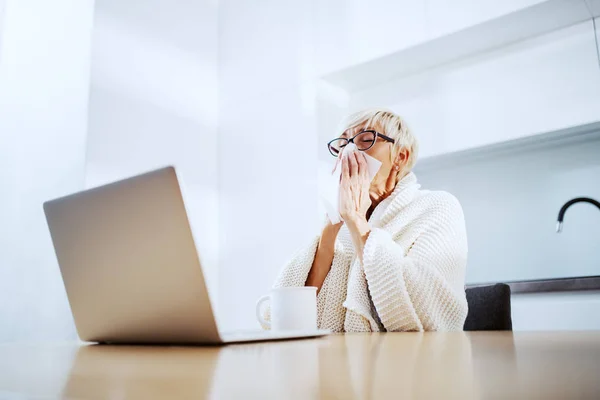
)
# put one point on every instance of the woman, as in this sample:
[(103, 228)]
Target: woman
[(397, 260)]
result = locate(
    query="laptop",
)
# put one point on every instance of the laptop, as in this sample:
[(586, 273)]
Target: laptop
[(131, 269)]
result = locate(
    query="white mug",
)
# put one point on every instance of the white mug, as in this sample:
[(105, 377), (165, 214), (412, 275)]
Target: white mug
[(292, 308)]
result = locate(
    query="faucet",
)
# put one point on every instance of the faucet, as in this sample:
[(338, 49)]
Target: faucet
[(561, 213)]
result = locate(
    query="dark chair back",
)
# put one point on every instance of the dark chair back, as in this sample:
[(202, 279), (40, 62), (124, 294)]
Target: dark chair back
[(489, 308)]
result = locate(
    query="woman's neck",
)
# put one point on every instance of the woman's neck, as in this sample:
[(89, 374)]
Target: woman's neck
[(376, 198), (379, 192)]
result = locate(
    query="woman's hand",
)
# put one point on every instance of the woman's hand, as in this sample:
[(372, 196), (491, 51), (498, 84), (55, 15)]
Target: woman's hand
[(354, 188), (355, 200)]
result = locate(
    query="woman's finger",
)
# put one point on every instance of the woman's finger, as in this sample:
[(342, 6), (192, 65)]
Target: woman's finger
[(357, 158), (363, 167), (391, 180), (352, 164), (345, 171)]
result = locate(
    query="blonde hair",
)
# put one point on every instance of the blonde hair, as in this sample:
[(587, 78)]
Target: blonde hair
[(389, 124)]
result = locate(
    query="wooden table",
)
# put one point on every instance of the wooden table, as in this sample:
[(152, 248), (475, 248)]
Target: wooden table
[(476, 365)]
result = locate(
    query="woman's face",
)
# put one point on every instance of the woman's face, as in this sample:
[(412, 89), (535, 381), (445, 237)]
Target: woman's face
[(381, 150)]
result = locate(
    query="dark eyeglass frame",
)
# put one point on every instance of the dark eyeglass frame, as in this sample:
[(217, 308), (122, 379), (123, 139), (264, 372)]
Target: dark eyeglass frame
[(351, 140)]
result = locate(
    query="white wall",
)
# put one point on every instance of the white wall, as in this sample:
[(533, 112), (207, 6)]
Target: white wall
[(445, 17), (352, 32), (44, 75), (556, 311), (267, 147), (153, 102), (511, 201), (534, 86), (597, 23), (2, 5)]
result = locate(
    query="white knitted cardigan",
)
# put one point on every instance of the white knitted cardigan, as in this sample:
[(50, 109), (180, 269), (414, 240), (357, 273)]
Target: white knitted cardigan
[(413, 272)]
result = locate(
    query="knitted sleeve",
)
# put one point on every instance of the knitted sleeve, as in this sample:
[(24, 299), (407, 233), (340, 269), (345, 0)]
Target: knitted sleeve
[(422, 289), (295, 272)]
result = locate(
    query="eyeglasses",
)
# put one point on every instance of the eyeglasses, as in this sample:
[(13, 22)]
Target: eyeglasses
[(363, 141)]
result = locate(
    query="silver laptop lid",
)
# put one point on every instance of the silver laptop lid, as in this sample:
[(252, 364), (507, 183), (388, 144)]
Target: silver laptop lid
[(129, 262)]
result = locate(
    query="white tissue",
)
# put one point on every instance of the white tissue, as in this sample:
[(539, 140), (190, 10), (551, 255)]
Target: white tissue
[(331, 201)]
